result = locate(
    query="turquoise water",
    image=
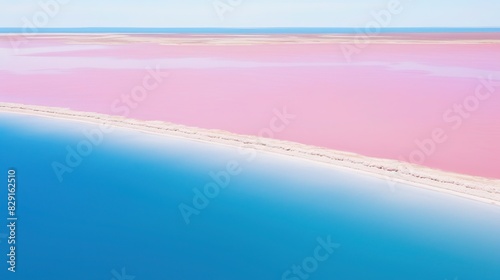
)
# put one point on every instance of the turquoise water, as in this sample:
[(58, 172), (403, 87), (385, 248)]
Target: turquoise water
[(119, 208)]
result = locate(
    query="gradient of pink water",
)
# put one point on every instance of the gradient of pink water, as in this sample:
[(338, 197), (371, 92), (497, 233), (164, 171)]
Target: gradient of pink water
[(381, 102)]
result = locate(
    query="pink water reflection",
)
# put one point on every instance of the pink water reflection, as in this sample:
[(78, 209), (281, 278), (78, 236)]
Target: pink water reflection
[(396, 91)]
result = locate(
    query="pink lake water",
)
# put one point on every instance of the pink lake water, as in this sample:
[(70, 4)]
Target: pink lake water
[(387, 99)]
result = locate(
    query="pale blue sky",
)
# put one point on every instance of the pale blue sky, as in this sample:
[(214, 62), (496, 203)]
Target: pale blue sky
[(249, 13)]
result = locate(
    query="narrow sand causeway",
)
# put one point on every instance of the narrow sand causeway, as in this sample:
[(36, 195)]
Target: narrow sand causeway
[(393, 171)]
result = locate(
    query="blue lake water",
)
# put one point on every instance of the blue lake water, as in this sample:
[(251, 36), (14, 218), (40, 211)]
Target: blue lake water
[(117, 214)]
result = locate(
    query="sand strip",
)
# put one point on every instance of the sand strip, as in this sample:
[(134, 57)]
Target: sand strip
[(472, 187)]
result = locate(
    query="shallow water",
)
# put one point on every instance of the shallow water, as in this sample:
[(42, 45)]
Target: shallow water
[(395, 89), (119, 208)]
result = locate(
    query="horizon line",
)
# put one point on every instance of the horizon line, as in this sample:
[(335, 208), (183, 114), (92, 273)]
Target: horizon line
[(244, 30)]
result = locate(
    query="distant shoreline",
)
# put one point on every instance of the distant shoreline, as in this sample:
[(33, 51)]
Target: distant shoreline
[(473, 187), (240, 30)]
